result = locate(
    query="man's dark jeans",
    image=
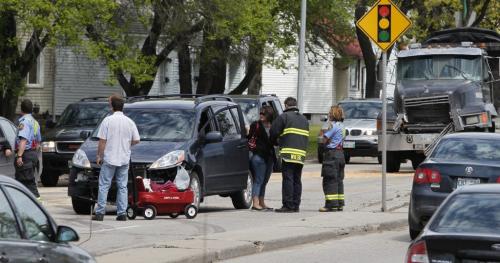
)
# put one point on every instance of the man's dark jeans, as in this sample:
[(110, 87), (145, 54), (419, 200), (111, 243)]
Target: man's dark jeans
[(292, 185)]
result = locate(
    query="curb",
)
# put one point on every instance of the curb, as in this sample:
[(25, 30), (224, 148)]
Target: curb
[(255, 247)]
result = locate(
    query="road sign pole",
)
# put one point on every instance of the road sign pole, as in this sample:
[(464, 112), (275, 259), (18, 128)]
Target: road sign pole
[(302, 54), (384, 131)]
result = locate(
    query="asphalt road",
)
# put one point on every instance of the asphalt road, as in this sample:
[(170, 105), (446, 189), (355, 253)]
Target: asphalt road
[(363, 193), (384, 247)]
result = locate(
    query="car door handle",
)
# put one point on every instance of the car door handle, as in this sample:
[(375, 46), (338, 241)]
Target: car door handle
[(4, 259), (241, 146)]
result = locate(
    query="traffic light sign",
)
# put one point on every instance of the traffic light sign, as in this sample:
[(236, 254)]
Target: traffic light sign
[(384, 23)]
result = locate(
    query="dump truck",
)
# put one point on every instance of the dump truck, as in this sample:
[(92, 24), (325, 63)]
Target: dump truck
[(449, 83)]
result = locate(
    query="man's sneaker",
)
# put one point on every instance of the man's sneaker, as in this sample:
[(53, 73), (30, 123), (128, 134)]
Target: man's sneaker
[(98, 217), (326, 209), (285, 210), (121, 218)]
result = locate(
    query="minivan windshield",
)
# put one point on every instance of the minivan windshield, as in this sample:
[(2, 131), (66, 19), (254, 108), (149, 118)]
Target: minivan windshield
[(161, 124), (361, 109), (439, 67), (88, 114)]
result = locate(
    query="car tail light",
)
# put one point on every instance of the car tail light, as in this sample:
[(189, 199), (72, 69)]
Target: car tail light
[(417, 253), (484, 117), (427, 176), (498, 180)]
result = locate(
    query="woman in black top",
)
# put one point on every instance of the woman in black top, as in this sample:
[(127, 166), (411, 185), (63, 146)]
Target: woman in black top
[(261, 162)]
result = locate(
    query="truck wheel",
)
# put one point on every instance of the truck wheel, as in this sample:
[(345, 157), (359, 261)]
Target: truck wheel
[(243, 198), (320, 156), (492, 128), (393, 162), (49, 178), (417, 160), (347, 158), (81, 206)]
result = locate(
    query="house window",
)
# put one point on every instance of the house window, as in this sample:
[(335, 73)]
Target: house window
[(34, 78)]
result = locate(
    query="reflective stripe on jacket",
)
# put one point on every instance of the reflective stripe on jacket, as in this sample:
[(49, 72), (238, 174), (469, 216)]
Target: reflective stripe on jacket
[(291, 131)]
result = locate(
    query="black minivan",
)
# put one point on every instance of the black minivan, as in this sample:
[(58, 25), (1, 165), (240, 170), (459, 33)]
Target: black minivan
[(205, 135)]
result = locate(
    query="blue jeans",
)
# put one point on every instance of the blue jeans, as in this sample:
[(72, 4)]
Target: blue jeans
[(261, 170), (106, 175)]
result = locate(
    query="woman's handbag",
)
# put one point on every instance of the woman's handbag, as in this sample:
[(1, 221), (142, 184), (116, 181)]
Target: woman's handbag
[(252, 142)]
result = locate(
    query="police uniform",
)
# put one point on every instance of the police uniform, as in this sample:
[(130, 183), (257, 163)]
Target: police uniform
[(332, 170), (291, 130), (29, 130)]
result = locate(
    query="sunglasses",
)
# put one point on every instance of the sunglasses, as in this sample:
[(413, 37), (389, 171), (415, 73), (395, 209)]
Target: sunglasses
[(262, 113)]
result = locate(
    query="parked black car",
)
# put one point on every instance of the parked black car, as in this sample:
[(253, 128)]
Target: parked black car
[(204, 135), (27, 231), (464, 229), (63, 138), (457, 160), (251, 105)]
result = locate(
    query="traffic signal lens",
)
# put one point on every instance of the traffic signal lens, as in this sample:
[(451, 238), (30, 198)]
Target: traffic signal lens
[(384, 11), (384, 23), (384, 36)]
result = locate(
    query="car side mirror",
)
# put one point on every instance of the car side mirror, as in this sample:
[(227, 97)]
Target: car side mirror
[(213, 136), (66, 234), (324, 118), (50, 124), (85, 134)]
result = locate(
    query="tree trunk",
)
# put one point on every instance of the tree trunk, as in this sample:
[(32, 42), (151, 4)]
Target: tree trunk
[(253, 77), (184, 57), (213, 65), (9, 104), (368, 55)]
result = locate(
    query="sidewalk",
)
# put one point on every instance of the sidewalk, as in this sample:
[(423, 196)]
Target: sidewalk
[(221, 246)]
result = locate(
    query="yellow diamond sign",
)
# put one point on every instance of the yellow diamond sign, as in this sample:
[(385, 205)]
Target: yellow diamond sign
[(384, 24)]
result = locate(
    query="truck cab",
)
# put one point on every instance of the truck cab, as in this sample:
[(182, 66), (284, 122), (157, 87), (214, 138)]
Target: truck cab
[(447, 84)]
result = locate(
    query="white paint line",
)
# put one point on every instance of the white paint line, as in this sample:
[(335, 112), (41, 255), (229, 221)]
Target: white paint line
[(115, 228)]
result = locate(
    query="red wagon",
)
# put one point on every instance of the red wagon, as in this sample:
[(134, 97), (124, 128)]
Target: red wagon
[(161, 201)]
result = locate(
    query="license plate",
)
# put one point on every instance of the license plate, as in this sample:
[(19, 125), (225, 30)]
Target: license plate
[(461, 182), (350, 144)]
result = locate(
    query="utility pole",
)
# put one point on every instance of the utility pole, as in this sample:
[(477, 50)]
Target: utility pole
[(302, 46)]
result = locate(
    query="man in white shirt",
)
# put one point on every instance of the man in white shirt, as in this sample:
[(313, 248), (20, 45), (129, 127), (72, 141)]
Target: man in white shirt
[(117, 134)]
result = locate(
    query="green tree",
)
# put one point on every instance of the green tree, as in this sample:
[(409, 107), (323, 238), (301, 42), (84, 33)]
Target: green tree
[(481, 13), (29, 26)]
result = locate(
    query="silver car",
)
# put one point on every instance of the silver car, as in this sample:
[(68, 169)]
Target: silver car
[(7, 136), (360, 122), (8, 132)]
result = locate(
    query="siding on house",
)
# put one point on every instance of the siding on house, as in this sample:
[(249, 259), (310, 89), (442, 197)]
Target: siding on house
[(77, 77), (319, 83), (42, 95)]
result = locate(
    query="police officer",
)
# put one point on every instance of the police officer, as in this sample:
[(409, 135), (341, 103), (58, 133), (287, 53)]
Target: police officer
[(291, 131), (332, 170), (27, 141)]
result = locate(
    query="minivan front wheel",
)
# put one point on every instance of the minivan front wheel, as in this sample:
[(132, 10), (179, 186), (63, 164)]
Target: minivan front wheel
[(195, 186), (243, 199)]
